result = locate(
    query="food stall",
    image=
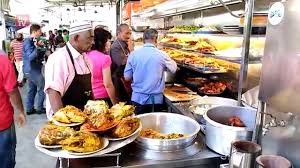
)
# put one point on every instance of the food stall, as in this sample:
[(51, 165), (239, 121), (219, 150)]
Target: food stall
[(212, 63)]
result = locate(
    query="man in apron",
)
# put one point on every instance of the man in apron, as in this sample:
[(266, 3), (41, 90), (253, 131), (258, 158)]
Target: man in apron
[(145, 67), (119, 54), (68, 73)]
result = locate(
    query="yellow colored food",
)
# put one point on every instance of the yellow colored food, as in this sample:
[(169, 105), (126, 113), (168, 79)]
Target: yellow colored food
[(69, 114), (82, 142)]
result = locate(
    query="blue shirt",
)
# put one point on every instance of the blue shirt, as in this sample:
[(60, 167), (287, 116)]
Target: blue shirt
[(146, 67), (31, 59)]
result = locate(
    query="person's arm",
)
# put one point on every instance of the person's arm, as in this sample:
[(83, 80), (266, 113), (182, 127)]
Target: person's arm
[(55, 99), (116, 55), (109, 86), (169, 63), (16, 100), (31, 54), (128, 72)]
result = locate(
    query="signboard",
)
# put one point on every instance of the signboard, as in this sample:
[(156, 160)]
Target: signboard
[(22, 21)]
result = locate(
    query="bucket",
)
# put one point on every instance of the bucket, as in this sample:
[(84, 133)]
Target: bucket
[(273, 161)]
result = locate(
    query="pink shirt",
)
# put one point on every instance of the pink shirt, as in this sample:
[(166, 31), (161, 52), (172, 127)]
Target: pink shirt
[(59, 72), (8, 83), (99, 62)]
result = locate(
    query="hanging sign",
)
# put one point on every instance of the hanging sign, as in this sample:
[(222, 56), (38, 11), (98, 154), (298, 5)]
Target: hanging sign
[(276, 13), (22, 21)]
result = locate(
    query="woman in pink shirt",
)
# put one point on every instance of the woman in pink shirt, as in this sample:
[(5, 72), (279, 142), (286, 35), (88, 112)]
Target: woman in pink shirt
[(103, 88)]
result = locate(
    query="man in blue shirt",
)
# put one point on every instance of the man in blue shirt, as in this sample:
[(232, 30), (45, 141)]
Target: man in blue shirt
[(33, 71), (145, 67)]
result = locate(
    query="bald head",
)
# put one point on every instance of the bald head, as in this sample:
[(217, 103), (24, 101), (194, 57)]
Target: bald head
[(123, 32), (82, 41)]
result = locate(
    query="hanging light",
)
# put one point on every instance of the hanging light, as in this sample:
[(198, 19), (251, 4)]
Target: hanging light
[(101, 5), (68, 9), (95, 11), (79, 9)]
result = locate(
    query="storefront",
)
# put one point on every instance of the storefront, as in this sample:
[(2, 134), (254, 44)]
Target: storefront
[(219, 48)]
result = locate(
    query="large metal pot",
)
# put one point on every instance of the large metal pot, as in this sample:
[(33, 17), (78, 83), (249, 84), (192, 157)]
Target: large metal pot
[(200, 106), (168, 123), (169, 77), (219, 136)]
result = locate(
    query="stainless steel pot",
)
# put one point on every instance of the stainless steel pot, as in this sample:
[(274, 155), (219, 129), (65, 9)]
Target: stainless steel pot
[(169, 77), (200, 106), (168, 123), (219, 136)]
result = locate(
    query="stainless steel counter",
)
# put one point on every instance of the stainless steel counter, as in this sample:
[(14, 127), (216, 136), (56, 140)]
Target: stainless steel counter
[(132, 156)]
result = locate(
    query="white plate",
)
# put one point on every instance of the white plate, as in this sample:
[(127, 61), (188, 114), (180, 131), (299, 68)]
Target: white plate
[(118, 139), (113, 145), (106, 142), (38, 143), (64, 124)]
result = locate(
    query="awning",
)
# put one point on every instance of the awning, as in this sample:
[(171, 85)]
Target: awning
[(4, 5)]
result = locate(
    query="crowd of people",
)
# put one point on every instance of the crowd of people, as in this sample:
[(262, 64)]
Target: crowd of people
[(82, 65)]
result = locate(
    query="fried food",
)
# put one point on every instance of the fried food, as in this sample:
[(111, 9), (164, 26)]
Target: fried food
[(150, 133), (121, 110), (126, 127), (82, 142), (69, 114), (53, 135), (213, 88), (236, 122), (100, 122), (95, 107)]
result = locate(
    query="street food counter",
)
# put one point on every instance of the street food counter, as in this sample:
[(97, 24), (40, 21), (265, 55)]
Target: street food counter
[(132, 156)]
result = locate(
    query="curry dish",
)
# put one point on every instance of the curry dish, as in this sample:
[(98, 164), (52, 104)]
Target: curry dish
[(150, 133), (126, 127), (82, 142), (69, 114), (100, 122), (53, 135)]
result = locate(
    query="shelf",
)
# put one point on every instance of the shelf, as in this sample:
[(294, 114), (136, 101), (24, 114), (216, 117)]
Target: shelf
[(198, 34), (201, 70), (252, 60)]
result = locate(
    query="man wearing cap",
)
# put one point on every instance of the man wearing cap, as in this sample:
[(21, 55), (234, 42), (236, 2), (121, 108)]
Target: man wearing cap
[(67, 72)]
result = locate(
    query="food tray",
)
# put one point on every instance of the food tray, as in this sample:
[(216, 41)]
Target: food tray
[(113, 145)]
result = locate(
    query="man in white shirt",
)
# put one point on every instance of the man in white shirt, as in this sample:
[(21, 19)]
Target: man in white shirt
[(67, 72)]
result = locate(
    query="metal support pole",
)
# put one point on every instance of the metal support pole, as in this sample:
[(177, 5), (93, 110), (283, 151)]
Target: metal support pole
[(249, 7), (259, 123)]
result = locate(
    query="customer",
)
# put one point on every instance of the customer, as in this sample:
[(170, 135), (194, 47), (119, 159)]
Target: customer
[(66, 35), (119, 54), (9, 94), (67, 72), (145, 67), (17, 50), (59, 40), (103, 87), (51, 40), (33, 71)]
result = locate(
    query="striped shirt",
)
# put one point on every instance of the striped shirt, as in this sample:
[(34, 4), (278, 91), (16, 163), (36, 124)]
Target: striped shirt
[(17, 48)]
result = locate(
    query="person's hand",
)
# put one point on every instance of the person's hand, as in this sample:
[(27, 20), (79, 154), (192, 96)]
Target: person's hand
[(21, 119)]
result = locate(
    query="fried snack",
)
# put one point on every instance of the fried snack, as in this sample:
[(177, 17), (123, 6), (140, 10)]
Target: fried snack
[(100, 122), (52, 134), (213, 88), (236, 122), (69, 114), (126, 127), (82, 142), (95, 107), (121, 110), (150, 133)]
